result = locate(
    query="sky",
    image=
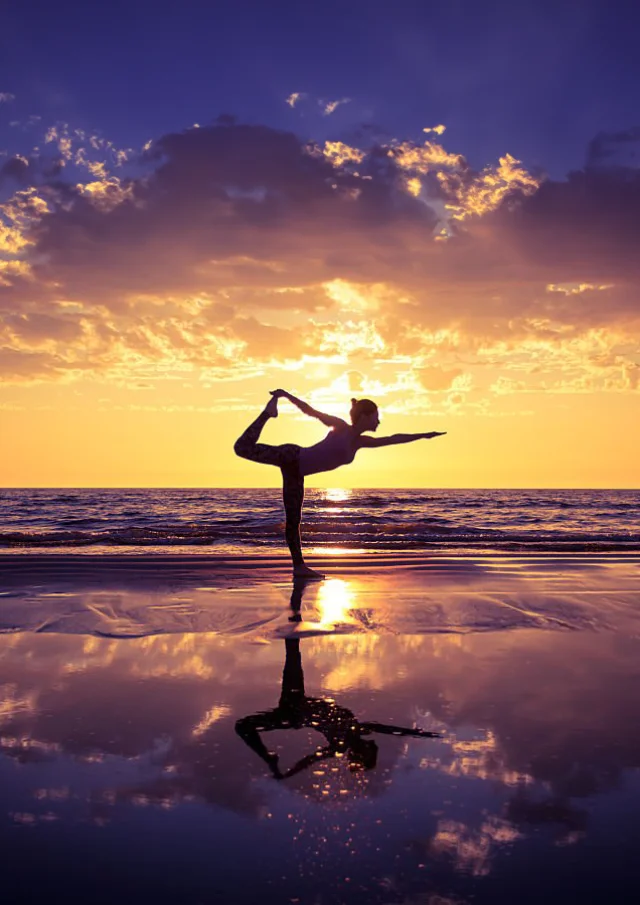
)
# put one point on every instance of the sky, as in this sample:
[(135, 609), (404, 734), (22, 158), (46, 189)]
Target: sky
[(433, 206)]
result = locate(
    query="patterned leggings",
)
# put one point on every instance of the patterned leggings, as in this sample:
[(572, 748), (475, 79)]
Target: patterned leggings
[(286, 458)]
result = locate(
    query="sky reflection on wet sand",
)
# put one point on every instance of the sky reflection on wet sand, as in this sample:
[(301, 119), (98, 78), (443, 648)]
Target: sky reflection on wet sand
[(125, 751)]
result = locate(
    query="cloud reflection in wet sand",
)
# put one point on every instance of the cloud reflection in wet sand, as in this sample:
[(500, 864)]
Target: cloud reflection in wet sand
[(539, 751), (544, 722)]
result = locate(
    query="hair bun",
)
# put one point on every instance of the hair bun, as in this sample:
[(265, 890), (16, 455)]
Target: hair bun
[(354, 401)]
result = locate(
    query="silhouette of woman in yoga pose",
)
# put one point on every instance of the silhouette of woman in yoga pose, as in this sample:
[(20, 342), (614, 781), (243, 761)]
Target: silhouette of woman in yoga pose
[(296, 462)]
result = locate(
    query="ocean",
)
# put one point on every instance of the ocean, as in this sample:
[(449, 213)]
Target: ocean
[(246, 521)]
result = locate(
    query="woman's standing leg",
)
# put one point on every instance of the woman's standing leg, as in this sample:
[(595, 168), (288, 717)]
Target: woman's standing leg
[(293, 498)]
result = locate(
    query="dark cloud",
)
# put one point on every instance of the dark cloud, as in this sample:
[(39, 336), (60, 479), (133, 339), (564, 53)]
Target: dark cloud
[(584, 228), (24, 365), (244, 192), (615, 149), (16, 169), (251, 219), (40, 327)]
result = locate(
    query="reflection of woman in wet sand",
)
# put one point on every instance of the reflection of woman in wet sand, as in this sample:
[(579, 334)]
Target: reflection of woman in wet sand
[(338, 448), (343, 732)]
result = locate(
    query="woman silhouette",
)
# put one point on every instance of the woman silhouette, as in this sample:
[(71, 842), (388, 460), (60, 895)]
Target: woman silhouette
[(296, 462)]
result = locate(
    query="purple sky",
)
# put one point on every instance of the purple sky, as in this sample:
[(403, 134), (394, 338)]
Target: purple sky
[(536, 79)]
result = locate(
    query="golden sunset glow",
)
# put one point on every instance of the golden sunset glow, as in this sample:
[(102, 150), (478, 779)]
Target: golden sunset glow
[(139, 363)]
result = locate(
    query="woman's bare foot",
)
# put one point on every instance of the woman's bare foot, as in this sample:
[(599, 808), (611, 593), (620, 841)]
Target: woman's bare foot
[(271, 408), (305, 572)]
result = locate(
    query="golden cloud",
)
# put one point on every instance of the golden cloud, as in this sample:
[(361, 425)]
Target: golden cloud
[(329, 107), (293, 99)]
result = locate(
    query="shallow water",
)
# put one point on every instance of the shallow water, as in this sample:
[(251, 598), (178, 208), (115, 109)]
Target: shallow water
[(132, 767), (117, 596)]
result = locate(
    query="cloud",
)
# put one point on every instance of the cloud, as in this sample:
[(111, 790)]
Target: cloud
[(338, 153), (617, 150), (26, 367), (16, 169), (355, 381), (436, 378), (294, 98), (6, 97), (234, 240), (575, 288), (329, 107)]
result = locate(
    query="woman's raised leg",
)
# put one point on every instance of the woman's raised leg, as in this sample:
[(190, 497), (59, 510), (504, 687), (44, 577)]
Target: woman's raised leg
[(247, 446)]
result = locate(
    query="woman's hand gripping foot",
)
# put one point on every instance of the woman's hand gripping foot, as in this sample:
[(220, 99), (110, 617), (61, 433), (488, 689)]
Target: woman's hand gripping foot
[(271, 408)]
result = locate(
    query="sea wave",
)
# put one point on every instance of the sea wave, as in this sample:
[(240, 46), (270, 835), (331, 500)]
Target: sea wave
[(384, 537), (251, 520)]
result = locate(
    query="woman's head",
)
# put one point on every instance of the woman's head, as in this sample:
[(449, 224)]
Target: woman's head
[(366, 410)]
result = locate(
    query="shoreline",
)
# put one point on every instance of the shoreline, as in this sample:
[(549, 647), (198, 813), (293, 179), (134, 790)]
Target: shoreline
[(368, 595), (443, 546), (259, 561)]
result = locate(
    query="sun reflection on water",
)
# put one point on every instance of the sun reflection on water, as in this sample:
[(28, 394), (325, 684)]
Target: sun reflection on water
[(336, 551), (337, 494), (335, 601)]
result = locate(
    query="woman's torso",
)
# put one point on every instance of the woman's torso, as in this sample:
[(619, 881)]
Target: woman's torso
[(338, 448)]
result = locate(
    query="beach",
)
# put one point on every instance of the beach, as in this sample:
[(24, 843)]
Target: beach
[(448, 727)]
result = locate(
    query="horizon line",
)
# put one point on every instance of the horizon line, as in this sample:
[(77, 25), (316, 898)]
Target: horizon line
[(330, 487)]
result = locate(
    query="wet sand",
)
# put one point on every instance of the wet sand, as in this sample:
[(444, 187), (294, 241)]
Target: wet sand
[(125, 596), (135, 697)]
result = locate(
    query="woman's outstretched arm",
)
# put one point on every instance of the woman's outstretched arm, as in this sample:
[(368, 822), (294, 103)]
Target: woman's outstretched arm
[(371, 442), (385, 729), (328, 420)]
